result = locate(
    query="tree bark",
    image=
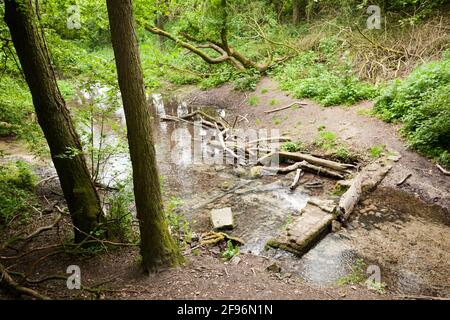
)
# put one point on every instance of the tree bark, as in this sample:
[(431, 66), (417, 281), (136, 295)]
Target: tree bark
[(158, 248), (296, 11), (54, 118)]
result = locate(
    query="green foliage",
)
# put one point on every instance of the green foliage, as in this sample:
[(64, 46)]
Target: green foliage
[(326, 140), (253, 101), (291, 146), (357, 275), (247, 81), (421, 102), (377, 151), (179, 226), (324, 75), (377, 286), (16, 114), (277, 121), (17, 196), (119, 218), (230, 251), (339, 190), (343, 154), (273, 102)]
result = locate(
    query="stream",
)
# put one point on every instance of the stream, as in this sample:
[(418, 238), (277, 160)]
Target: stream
[(405, 238)]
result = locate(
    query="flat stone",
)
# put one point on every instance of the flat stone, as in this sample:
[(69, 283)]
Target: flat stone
[(235, 260), (222, 218), (304, 231)]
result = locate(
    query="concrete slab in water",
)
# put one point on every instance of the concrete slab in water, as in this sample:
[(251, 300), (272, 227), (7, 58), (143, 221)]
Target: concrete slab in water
[(222, 218), (304, 231)]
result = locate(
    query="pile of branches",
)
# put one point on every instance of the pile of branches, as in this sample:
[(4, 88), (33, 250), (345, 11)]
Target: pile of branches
[(392, 54), (263, 152)]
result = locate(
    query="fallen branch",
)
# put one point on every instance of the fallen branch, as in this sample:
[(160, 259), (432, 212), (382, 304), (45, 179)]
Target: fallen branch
[(307, 167), (404, 179), (222, 142), (446, 172), (298, 175), (33, 234), (213, 120), (279, 139), (8, 282), (196, 207), (47, 179), (350, 198), (306, 157), (285, 107)]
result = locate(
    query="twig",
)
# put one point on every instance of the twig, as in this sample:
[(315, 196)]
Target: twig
[(286, 107), (33, 234), (421, 297), (47, 179), (446, 172), (404, 179)]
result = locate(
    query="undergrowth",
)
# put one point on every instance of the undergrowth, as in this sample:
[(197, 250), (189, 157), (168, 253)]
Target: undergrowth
[(421, 102), (17, 197)]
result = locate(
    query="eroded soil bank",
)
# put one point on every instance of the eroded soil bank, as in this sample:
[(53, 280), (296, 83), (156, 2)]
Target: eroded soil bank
[(403, 230)]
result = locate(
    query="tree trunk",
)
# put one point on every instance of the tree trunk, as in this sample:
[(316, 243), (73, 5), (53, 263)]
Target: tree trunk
[(159, 23), (158, 249), (54, 118), (296, 11)]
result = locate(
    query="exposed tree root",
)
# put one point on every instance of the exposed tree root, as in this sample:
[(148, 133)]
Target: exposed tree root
[(10, 284)]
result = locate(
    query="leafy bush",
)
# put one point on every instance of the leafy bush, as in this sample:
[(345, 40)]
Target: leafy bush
[(231, 251), (291, 146), (120, 218), (17, 183), (422, 103), (179, 226), (322, 76)]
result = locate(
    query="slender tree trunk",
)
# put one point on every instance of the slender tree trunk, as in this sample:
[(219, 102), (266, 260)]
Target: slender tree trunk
[(158, 249), (53, 117), (159, 23), (296, 4)]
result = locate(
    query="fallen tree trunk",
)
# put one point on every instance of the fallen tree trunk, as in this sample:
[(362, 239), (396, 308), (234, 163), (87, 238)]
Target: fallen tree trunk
[(365, 181), (350, 198), (307, 167), (305, 157)]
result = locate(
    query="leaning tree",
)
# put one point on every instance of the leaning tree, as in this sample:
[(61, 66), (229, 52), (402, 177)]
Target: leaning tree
[(158, 248), (54, 118)]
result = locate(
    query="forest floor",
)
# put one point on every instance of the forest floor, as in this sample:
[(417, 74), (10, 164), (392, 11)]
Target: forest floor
[(421, 244)]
